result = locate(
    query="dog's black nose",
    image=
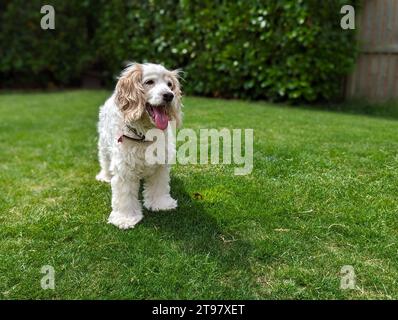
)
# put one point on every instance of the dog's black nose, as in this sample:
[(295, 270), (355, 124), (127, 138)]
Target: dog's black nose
[(168, 96)]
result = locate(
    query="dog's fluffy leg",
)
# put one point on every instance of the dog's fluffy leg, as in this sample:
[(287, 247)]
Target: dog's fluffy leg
[(157, 191), (104, 175), (126, 208)]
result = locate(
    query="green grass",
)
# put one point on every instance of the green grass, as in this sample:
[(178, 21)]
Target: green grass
[(386, 109), (323, 194)]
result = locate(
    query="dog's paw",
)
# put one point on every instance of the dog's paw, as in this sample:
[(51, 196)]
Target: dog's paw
[(103, 176), (161, 203), (123, 221)]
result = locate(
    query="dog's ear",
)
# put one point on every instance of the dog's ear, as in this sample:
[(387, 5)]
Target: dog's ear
[(176, 111), (130, 94)]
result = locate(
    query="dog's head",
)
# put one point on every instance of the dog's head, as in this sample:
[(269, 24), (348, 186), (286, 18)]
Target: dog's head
[(152, 91)]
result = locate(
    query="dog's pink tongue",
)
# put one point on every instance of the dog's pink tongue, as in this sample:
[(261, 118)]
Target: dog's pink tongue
[(161, 118)]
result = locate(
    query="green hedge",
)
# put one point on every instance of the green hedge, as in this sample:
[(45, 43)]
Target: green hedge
[(272, 49)]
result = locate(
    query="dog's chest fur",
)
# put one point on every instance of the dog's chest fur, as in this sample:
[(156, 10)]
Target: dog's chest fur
[(135, 154)]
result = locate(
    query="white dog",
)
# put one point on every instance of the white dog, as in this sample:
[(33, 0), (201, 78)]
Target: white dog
[(146, 96)]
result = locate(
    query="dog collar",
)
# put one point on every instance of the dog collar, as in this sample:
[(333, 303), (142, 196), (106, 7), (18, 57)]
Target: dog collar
[(131, 133)]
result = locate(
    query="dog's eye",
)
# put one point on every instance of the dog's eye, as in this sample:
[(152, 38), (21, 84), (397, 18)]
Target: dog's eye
[(149, 82), (169, 84)]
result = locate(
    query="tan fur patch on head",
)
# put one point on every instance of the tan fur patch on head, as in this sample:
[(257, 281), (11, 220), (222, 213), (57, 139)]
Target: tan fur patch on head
[(130, 93), (175, 110)]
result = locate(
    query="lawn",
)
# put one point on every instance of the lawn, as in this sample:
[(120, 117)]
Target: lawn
[(323, 194)]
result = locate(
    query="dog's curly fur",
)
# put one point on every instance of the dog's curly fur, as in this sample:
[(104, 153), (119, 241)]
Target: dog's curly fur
[(123, 163)]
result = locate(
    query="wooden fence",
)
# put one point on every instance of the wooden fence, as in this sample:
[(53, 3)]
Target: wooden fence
[(375, 76)]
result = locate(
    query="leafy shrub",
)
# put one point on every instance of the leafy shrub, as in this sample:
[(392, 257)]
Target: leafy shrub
[(30, 56), (271, 49)]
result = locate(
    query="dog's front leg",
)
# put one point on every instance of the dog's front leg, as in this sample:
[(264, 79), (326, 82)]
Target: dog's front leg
[(157, 191), (126, 208)]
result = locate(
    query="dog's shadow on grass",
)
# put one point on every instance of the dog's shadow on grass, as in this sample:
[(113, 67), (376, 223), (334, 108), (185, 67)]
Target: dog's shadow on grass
[(198, 232)]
